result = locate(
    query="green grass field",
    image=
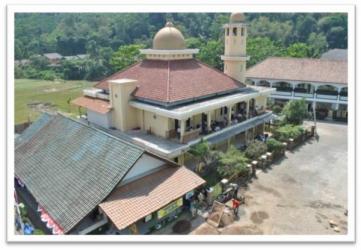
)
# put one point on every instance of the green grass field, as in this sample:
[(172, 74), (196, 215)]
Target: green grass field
[(51, 93)]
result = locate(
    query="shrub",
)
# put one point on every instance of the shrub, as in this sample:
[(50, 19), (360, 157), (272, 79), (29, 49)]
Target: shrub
[(47, 75), (256, 149), (277, 109), (19, 73), (288, 131), (274, 146)]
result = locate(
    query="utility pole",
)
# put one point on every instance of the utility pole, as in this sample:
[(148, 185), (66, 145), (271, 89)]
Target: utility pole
[(314, 115)]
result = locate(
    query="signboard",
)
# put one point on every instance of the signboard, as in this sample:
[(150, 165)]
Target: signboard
[(148, 218), (169, 208)]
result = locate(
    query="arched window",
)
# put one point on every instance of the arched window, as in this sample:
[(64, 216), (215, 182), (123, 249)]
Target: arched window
[(304, 88), (235, 31), (283, 86), (344, 91), (242, 31), (327, 90), (264, 83), (227, 31)]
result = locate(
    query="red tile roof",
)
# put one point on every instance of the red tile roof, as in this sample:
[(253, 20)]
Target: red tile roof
[(97, 105), (135, 200), (300, 69), (176, 80)]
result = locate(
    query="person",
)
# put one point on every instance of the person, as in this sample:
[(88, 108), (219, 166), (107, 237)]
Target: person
[(235, 206)]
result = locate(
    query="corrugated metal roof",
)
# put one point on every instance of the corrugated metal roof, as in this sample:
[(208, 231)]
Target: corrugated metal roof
[(70, 167), (33, 129)]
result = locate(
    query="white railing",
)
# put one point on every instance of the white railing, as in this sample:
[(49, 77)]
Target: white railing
[(283, 93), (343, 98), (307, 95), (330, 97)]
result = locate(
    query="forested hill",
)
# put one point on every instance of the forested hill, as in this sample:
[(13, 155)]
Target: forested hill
[(113, 39)]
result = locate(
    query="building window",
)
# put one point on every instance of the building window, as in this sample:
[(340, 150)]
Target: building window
[(227, 31), (242, 31), (235, 31)]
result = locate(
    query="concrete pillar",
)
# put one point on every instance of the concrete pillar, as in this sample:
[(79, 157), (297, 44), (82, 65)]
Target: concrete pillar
[(209, 121), (314, 91), (229, 115), (247, 109), (182, 128), (181, 159)]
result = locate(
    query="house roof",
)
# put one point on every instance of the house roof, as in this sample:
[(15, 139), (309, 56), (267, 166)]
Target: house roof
[(300, 69), (135, 200), (53, 55), (70, 167), (94, 104), (175, 80), (335, 54)]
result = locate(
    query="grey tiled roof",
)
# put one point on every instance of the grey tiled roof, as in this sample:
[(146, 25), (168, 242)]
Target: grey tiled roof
[(335, 54), (70, 167)]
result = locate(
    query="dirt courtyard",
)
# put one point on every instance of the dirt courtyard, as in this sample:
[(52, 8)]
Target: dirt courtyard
[(301, 193)]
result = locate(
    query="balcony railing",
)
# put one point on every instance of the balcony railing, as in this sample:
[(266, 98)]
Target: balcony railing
[(218, 126), (321, 93)]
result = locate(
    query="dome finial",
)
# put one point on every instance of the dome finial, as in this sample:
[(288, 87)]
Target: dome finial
[(169, 24)]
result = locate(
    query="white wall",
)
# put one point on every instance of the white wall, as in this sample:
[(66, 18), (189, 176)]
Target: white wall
[(103, 120), (145, 165)]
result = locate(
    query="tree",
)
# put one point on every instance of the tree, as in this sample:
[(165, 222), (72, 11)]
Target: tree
[(317, 43), (39, 62), (298, 50), (203, 152), (211, 53), (295, 111), (334, 26), (232, 162), (95, 70), (126, 55), (259, 48), (255, 149)]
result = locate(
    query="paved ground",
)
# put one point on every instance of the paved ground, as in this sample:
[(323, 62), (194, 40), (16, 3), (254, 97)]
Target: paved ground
[(301, 193)]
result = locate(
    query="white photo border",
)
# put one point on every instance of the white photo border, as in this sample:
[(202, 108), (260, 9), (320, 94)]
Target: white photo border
[(194, 8)]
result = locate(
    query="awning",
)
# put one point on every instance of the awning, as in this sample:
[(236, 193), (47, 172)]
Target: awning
[(93, 104), (135, 200)]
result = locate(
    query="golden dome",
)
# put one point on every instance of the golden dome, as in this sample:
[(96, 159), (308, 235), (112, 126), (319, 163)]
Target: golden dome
[(237, 18), (169, 38)]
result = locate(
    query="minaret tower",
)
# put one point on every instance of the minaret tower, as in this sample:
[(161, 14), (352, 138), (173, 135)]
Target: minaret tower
[(235, 57)]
